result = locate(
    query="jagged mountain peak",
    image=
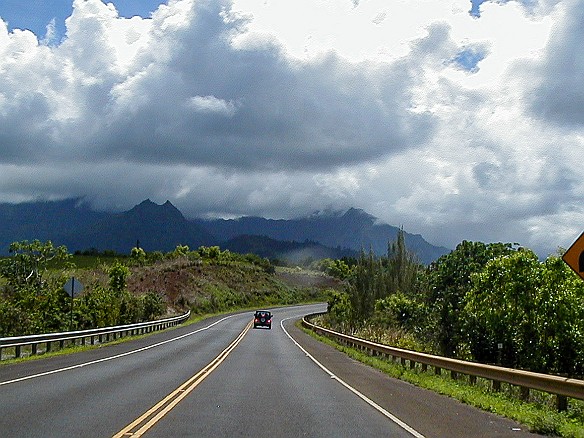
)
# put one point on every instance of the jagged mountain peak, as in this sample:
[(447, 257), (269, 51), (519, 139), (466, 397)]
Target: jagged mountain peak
[(359, 214), (162, 227), (153, 211)]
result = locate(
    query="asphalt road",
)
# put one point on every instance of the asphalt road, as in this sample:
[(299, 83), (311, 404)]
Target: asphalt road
[(219, 378)]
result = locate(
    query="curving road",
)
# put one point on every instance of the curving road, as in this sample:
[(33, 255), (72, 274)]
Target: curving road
[(219, 378)]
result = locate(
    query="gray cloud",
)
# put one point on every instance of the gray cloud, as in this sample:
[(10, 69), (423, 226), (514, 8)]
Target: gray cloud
[(559, 92), (178, 107)]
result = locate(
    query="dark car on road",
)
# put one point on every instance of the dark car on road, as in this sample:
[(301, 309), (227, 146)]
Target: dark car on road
[(262, 318)]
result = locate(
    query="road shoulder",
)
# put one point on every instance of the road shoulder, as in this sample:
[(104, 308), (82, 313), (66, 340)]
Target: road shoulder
[(431, 414)]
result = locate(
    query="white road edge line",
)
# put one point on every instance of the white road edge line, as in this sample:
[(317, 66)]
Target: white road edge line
[(105, 359), (388, 414)]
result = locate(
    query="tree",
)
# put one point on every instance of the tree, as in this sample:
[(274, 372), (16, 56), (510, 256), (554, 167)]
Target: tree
[(534, 310), (33, 295), (373, 279), (29, 262), (138, 255), (403, 266), (118, 277), (180, 251), (335, 268), (449, 280), (364, 286), (339, 308), (398, 311)]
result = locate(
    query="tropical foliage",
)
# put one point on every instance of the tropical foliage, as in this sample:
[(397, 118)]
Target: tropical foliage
[(33, 299), (132, 288), (493, 303)]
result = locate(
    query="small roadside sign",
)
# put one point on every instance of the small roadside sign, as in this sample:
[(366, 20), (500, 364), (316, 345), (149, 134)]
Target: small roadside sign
[(574, 256), (73, 287)]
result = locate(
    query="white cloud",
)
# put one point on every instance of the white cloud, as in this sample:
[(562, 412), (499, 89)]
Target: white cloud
[(211, 104), (282, 108)]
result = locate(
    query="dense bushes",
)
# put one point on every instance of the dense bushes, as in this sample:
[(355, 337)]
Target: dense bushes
[(493, 303), (32, 298), (534, 311)]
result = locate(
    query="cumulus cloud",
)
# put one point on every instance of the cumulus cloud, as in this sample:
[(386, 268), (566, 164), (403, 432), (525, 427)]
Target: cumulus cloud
[(457, 120)]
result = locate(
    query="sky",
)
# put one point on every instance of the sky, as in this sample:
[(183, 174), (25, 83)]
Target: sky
[(457, 120)]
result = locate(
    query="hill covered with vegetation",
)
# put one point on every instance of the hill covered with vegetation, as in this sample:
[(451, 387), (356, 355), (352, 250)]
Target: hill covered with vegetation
[(142, 286)]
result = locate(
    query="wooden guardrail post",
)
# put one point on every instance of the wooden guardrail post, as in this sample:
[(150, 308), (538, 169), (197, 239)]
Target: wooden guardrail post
[(561, 403), (496, 386), (563, 387)]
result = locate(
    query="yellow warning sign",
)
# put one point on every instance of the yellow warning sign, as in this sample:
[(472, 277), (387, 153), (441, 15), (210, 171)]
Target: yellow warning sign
[(574, 256)]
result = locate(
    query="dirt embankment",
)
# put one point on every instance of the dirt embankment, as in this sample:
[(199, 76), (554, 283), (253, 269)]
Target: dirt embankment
[(185, 283)]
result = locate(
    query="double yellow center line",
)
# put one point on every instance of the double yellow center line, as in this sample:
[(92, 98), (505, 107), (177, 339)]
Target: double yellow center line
[(138, 427)]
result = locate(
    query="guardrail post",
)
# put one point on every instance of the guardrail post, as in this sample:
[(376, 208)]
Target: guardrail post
[(20, 346), (496, 385), (453, 375), (561, 403), (559, 386)]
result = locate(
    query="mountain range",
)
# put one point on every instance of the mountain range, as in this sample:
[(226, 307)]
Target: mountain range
[(156, 227)]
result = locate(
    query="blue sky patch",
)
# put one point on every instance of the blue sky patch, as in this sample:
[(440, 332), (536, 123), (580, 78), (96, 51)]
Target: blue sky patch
[(36, 15), (469, 58)]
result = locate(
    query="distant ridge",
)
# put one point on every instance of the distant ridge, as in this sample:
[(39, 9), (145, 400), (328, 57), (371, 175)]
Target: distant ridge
[(151, 226), (354, 230), (162, 227)]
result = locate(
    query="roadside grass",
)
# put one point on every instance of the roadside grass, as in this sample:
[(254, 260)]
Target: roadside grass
[(538, 415)]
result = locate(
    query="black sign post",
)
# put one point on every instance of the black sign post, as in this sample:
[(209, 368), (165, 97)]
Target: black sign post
[(72, 287)]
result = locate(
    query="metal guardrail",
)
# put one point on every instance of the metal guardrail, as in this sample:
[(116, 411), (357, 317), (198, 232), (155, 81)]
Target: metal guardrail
[(562, 387), (94, 335)]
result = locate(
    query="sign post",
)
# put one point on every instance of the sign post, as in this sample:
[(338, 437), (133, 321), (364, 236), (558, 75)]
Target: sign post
[(574, 256), (72, 287)]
